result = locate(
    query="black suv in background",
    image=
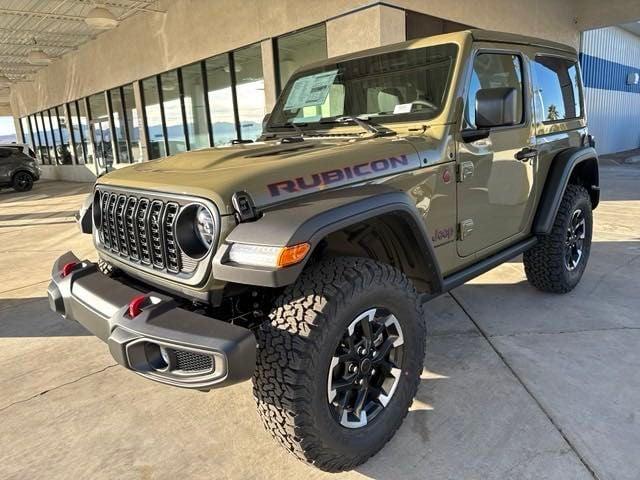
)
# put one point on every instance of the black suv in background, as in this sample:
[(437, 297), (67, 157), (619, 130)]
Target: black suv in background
[(17, 169)]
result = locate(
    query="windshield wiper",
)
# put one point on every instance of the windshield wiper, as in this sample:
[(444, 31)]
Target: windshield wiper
[(365, 123), (296, 126)]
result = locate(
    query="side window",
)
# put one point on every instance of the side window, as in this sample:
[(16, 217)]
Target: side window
[(556, 89), (494, 70)]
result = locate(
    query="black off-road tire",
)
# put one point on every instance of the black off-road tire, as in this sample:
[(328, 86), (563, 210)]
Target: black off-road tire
[(22, 182), (544, 264), (295, 350)]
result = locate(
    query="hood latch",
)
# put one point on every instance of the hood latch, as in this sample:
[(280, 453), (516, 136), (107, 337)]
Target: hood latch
[(245, 209)]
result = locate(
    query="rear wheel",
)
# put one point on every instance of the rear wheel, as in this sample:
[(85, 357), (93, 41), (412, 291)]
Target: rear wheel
[(339, 361), (556, 263), (22, 182)]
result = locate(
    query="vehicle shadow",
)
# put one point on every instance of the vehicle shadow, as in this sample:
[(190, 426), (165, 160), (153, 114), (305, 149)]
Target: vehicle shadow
[(32, 317)]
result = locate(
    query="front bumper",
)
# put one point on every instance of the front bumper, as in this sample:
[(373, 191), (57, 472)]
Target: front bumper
[(164, 343)]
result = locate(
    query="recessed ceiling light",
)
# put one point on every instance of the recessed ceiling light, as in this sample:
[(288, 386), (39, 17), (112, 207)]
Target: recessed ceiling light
[(101, 18), (38, 57)]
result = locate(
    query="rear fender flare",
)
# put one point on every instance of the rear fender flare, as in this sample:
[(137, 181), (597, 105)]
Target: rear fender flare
[(560, 172)]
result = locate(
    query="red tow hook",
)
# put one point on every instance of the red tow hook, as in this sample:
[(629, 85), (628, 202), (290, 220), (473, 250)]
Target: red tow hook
[(68, 268), (136, 304)]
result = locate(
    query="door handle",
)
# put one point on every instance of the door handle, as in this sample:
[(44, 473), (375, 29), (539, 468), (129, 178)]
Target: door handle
[(526, 154)]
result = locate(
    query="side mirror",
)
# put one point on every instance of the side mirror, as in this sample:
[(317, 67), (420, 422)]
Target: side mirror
[(265, 120), (496, 107)]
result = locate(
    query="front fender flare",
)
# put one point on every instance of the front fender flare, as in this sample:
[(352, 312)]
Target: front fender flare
[(311, 219)]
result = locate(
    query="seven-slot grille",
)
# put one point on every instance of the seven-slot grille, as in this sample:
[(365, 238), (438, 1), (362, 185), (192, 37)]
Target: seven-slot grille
[(141, 230)]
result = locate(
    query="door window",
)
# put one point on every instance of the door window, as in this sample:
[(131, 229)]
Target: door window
[(494, 70), (557, 91)]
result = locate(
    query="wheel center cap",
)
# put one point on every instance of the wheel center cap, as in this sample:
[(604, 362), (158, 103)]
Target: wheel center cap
[(365, 366)]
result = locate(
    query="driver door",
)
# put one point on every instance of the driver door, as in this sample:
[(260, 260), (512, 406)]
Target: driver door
[(495, 188)]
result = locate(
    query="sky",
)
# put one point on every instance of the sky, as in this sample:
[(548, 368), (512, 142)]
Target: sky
[(6, 126)]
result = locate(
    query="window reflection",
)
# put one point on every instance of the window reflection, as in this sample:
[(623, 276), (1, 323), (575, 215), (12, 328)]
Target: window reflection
[(65, 156), (101, 129), (300, 48), (44, 143), (173, 112), (250, 91), (194, 105), (155, 135), (119, 131), (220, 99), (133, 123)]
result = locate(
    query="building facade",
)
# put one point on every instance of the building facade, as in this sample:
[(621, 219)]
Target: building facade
[(204, 73)]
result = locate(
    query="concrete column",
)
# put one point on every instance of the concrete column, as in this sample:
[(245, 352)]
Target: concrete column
[(18, 126), (368, 28), (269, 72), (137, 95)]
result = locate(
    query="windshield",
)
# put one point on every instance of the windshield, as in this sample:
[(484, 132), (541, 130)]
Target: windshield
[(396, 86)]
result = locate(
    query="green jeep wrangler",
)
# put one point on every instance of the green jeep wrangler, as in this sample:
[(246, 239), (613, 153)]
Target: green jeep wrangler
[(383, 179)]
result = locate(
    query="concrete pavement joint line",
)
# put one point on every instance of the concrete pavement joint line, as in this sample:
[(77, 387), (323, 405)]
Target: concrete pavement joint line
[(24, 400), (526, 388), (586, 330), (25, 286)]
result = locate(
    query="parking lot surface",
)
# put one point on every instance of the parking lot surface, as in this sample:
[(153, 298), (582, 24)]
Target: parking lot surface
[(517, 384)]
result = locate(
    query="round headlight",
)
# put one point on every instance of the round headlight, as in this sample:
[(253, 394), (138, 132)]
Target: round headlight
[(205, 228), (196, 230), (97, 210)]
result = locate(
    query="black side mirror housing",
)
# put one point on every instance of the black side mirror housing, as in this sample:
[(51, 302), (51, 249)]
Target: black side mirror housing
[(473, 135), (496, 107), (265, 120)]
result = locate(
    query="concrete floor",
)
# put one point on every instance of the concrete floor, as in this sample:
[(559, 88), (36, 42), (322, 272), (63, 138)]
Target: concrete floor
[(517, 384)]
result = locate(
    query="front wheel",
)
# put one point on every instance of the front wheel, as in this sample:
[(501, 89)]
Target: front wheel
[(22, 182), (556, 263), (339, 362)]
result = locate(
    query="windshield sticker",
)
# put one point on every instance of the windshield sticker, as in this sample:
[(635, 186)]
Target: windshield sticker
[(402, 108), (310, 91)]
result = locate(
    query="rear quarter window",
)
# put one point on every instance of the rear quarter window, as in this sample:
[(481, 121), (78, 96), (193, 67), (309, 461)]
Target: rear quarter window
[(556, 89)]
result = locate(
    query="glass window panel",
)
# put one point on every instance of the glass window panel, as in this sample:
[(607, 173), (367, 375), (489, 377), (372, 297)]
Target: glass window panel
[(417, 80), (250, 91), (76, 135), (36, 136), (101, 129), (120, 136), (44, 141), (155, 135), (74, 131), (173, 112), (299, 49), (493, 70), (26, 132), (194, 104), (48, 129), (55, 135), (86, 131), (61, 136), (220, 100), (133, 123), (557, 90)]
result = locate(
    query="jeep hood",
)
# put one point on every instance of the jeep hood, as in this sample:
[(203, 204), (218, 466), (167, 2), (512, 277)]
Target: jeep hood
[(270, 171)]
